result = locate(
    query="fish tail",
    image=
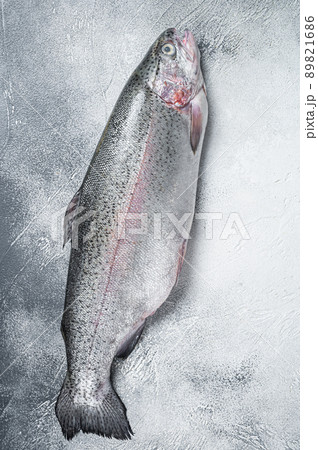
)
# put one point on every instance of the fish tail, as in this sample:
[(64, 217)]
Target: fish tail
[(105, 417)]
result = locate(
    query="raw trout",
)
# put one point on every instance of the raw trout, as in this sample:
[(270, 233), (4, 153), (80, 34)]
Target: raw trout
[(121, 270)]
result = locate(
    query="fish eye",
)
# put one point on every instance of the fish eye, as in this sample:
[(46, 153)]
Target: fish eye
[(168, 49)]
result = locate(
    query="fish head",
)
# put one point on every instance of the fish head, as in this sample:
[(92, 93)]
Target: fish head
[(172, 68)]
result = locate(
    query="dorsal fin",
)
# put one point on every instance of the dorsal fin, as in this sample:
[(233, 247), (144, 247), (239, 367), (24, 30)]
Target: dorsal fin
[(70, 214)]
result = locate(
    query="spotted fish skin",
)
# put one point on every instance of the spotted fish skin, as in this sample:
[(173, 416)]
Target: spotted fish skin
[(145, 165)]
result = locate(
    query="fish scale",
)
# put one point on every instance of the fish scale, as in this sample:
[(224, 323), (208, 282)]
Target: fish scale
[(147, 157)]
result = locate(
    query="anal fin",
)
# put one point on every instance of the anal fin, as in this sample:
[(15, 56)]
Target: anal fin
[(130, 343)]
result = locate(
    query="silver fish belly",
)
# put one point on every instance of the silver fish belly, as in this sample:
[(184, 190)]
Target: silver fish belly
[(126, 255)]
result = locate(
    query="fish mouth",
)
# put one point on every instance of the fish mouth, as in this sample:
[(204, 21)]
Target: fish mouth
[(188, 45), (190, 50)]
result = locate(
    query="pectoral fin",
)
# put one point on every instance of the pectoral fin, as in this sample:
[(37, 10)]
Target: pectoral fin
[(198, 118), (196, 125), (70, 214)]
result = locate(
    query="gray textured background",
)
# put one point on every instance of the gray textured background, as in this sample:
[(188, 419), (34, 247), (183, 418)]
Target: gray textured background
[(217, 366)]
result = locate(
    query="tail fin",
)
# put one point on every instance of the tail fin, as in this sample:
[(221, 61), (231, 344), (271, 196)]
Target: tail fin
[(105, 417)]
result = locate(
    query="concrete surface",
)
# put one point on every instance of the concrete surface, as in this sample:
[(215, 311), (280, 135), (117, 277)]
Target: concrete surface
[(217, 366)]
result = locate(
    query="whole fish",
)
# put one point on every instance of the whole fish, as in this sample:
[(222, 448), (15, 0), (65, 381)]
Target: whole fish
[(129, 224)]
